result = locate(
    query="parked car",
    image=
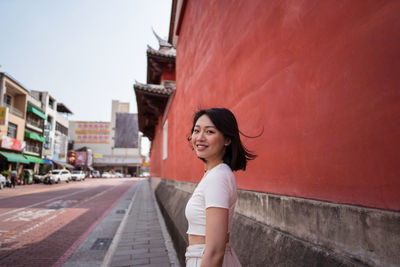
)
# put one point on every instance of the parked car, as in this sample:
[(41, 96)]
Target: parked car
[(3, 181), (40, 178), (106, 175), (95, 174), (60, 175), (78, 175), (118, 175)]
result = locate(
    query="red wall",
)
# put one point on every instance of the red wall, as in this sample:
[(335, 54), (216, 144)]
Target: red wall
[(168, 74), (321, 77)]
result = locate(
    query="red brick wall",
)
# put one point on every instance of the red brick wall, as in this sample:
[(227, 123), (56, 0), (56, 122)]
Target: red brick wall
[(321, 77)]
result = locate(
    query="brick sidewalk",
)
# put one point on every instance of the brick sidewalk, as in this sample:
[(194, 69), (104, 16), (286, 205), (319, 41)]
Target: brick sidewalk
[(143, 239)]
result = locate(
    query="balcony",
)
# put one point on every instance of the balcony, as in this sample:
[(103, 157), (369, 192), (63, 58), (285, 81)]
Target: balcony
[(32, 149), (33, 126), (14, 110), (34, 123)]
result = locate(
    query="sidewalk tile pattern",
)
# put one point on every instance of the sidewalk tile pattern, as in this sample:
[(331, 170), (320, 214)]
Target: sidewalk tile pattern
[(142, 243)]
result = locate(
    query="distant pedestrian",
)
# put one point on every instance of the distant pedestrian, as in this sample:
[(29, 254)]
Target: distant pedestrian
[(216, 141), (13, 178)]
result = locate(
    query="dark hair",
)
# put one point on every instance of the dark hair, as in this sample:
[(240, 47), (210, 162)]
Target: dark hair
[(236, 154)]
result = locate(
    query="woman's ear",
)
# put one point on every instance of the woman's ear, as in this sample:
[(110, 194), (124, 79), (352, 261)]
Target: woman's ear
[(227, 141)]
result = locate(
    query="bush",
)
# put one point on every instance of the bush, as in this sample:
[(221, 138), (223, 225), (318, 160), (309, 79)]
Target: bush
[(6, 173)]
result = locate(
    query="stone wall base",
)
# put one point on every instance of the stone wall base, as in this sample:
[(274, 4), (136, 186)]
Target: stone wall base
[(271, 230)]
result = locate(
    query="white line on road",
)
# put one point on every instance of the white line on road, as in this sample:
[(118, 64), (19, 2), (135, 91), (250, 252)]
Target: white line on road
[(43, 202), (58, 213)]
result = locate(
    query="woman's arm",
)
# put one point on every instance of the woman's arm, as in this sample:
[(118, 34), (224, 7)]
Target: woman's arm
[(217, 220)]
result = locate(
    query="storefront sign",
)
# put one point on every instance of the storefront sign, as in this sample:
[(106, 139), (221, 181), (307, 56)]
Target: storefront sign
[(80, 158), (12, 143), (3, 115)]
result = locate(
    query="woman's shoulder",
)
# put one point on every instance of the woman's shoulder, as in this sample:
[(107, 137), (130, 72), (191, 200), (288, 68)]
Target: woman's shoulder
[(222, 171)]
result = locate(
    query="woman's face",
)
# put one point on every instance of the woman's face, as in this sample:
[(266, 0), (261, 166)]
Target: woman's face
[(207, 141)]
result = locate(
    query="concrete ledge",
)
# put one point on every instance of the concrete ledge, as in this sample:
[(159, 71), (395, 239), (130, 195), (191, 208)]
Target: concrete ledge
[(257, 244), (172, 203), (272, 230), (367, 235)]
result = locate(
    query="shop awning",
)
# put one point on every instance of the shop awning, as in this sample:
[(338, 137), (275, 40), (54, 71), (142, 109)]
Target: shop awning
[(36, 112), (14, 157), (64, 164), (34, 159), (35, 136)]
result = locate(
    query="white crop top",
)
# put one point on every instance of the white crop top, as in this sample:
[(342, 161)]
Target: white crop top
[(216, 189)]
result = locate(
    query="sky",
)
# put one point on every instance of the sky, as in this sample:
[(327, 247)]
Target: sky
[(85, 53)]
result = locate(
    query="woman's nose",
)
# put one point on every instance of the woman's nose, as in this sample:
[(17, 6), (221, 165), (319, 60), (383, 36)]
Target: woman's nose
[(201, 135)]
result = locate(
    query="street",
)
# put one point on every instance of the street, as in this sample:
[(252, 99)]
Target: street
[(42, 225)]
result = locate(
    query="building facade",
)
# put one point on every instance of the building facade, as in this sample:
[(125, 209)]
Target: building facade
[(320, 82), (114, 145), (55, 130), (13, 105), (34, 133)]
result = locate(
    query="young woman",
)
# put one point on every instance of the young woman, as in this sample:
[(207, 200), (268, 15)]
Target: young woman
[(216, 141)]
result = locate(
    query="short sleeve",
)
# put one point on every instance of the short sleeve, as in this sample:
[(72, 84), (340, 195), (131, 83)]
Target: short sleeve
[(218, 191)]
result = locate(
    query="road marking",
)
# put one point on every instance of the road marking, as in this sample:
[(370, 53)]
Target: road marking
[(43, 202), (60, 204), (12, 235), (28, 215), (82, 238)]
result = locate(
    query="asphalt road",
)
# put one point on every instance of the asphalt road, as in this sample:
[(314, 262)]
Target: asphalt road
[(43, 225)]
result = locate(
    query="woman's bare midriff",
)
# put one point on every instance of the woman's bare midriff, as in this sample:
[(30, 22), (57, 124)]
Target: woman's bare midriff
[(201, 239)]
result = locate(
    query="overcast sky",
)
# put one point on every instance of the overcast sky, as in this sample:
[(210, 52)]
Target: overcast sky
[(84, 52)]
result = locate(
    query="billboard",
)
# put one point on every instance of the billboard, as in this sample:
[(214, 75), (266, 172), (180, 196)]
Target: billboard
[(92, 132), (80, 158), (12, 143), (126, 130)]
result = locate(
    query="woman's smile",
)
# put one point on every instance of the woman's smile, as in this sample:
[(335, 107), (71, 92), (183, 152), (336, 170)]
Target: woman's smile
[(201, 147)]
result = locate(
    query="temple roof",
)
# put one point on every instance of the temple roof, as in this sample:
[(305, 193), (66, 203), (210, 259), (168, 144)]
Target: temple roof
[(169, 53), (162, 42), (152, 101), (155, 88)]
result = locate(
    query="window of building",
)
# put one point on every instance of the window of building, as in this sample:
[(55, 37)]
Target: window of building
[(47, 144), (7, 100), (51, 103), (48, 126), (165, 140), (61, 128), (12, 130)]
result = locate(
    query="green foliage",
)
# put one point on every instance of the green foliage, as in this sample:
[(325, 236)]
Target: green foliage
[(44, 169), (6, 173)]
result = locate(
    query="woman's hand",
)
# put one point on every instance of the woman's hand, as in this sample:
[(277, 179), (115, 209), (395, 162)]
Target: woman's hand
[(217, 220)]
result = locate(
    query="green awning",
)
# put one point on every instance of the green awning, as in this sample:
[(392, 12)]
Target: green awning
[(34, 159), (37, 112), (35, 136), (14, 157)]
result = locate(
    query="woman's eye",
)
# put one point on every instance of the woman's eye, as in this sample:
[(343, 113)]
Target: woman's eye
[(195, 131), (210, 132)]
